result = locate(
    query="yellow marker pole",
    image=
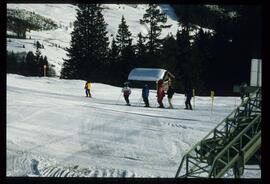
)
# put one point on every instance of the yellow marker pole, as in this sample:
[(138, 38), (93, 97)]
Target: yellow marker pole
[(44, 67), (212, 96), (193, 94)]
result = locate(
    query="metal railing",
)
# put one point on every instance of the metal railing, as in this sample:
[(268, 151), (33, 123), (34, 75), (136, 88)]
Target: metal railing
[(232, 152), (198, 162)]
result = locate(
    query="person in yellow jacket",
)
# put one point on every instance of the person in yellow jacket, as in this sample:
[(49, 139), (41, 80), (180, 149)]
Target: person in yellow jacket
[(87, 88)]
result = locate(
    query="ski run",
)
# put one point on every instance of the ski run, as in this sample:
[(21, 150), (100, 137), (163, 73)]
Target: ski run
[(54, 130)]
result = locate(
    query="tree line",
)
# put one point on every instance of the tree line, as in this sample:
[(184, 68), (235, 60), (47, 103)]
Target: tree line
[(235, 41), (29, 64), (204, 61), (22, 21)]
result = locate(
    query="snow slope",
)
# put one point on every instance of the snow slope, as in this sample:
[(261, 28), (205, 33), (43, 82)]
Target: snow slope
[(54, 130), (64, 14)]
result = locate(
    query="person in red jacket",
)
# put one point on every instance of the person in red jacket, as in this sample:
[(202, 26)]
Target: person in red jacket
[(126, 91), (160, 94)]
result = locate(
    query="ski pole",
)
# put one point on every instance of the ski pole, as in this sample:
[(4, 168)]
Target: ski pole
[(139, 102), (150, 99), (154, 101), (118, 98), (165, 101)]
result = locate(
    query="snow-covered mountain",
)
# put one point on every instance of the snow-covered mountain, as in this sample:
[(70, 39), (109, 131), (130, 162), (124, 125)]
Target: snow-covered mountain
[(65, 14)]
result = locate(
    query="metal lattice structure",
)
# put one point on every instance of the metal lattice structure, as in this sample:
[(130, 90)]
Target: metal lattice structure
[(230, 145)]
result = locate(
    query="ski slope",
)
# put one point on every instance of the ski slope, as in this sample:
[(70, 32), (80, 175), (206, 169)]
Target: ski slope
[(65, 14), (54, 130)]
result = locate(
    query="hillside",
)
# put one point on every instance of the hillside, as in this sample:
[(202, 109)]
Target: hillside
[(55, 41), (20, 21)]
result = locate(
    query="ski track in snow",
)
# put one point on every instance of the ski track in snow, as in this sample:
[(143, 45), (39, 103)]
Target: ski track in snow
[(24, 165)]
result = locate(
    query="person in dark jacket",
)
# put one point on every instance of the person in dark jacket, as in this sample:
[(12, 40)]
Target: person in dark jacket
[(160, 94), (170, 93), (145, 94), (188, 95), (243, 93)]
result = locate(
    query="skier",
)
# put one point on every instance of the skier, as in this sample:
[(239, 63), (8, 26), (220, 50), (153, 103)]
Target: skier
[(87, 87), (188, 95), (145, 94), (170, 93), (126, 91), (160, 94), (243, 91)]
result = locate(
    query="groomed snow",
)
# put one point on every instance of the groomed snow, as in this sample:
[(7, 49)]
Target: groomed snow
[(54, 130)]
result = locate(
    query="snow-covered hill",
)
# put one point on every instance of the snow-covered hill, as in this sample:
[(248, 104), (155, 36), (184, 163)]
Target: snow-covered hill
[(65, 14), (54, 130)]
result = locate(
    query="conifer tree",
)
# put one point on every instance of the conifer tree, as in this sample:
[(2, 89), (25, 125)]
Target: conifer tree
[(89, 44), (38, 55), (155, 20), (30, 64), (12, 63), (38, 45), (49, 70), (183, 40), (140, 47), (113, 59), (170, 50), (123, 37), (38, 60), (203, 42), (140, 50), (190, 64), (126, 50), (113, 53)]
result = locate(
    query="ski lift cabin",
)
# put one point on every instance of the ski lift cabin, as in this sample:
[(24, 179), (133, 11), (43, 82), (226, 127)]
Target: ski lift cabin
[(151, 76)]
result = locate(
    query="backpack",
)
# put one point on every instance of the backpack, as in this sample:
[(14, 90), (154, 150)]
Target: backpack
[(126, 93)]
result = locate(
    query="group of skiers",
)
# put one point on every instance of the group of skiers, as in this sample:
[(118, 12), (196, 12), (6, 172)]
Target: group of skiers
[(145, 94), (160, 95)]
